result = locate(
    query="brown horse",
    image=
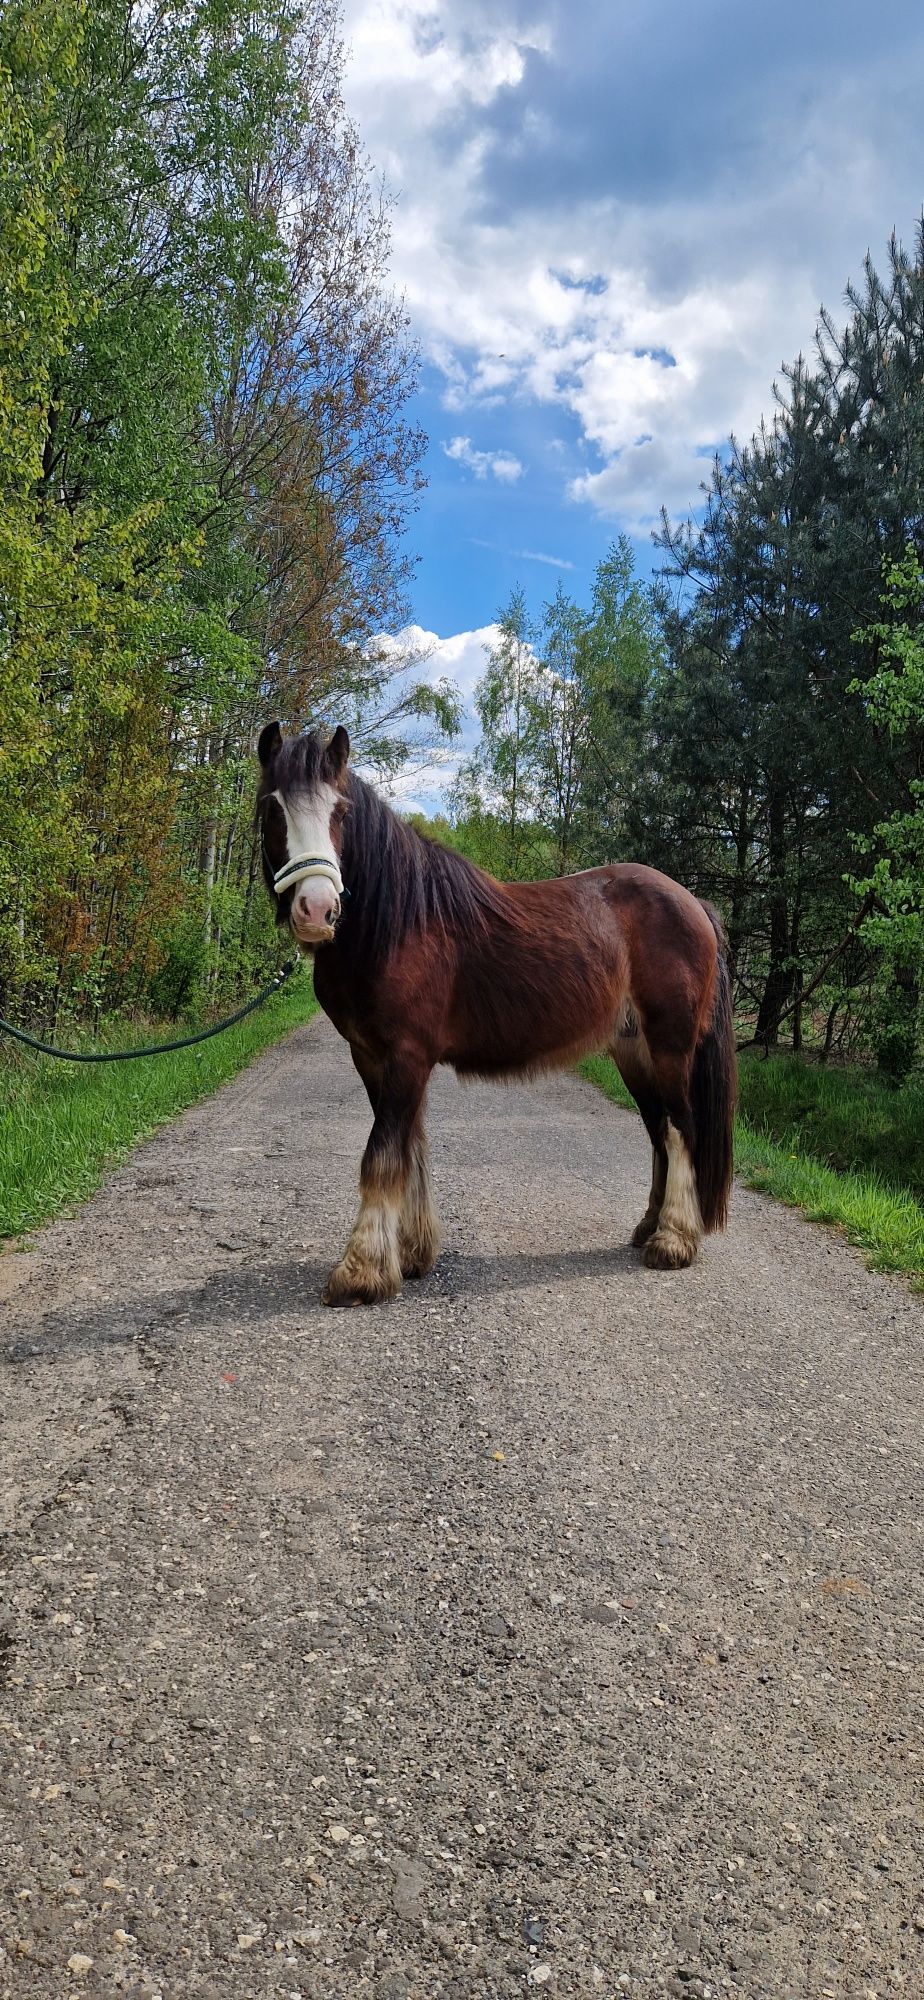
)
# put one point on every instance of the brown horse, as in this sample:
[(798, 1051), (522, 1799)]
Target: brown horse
[(432, 961)]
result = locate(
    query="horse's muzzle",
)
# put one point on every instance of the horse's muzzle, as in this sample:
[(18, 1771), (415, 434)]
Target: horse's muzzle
[(310, 932)]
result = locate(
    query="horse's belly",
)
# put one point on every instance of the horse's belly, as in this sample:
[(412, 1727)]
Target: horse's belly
[(505, 1027)]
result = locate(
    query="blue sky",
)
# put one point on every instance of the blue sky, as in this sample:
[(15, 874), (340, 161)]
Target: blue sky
[(613, 223)]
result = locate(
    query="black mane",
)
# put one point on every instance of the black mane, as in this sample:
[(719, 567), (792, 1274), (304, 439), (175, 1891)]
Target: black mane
[(400, 882)]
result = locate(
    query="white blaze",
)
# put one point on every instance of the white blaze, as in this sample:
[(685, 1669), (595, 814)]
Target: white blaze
[(308, 823)]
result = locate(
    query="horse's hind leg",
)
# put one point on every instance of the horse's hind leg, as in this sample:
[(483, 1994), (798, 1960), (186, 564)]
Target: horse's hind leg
[(678, 1230), (370, 1268), (629, 1051), (645, 1229)]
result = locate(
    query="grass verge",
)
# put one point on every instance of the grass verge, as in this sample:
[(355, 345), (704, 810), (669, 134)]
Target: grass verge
[(63, 1126), (880, 1217), (850, 1119)]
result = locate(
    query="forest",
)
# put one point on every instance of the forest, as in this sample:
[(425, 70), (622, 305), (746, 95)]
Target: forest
[(207, 465), (205, 468)]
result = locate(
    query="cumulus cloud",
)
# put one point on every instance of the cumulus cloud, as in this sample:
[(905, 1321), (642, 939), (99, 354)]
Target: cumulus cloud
[(460, 658), (501, 464), (635, 227)]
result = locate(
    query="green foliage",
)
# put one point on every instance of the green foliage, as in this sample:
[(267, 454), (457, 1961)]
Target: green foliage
[(849, 1119), (204, 472), (38, 49), (561, 707), (773, 763), (496, 790), (894, 885)]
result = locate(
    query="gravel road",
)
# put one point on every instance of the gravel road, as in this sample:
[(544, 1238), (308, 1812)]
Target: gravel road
[(558, 1626)]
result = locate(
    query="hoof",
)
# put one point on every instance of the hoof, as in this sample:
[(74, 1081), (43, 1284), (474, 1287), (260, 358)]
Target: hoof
[(352, 1284), (643, 1231), (667, 1251)]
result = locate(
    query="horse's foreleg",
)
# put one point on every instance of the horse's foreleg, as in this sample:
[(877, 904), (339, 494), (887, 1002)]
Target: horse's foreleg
[(370, 1268), (418, 1229)]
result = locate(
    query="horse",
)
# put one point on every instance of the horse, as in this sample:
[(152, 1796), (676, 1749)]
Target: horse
[(422, 958)]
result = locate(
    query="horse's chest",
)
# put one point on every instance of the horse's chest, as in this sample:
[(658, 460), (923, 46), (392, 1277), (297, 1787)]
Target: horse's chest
[(349, 1005), (333, 993)]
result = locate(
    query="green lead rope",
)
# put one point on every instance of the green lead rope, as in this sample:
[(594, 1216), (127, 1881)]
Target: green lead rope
[(153, 1048)]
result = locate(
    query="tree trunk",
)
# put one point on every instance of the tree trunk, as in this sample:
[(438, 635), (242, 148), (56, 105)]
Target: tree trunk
[(796, 969), (740, 889), (779, 976)]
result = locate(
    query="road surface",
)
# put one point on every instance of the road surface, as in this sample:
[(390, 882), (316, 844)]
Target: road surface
[(557, 1627)]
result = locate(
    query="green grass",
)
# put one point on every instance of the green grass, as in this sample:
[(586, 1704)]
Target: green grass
[(841, 1145), (851, 1119), (64, 1126)]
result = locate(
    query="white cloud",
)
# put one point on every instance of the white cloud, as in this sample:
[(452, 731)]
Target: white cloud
[(525, 555), (535, 555), (653, 307), (502, 464), (461, 658), (402, 52)]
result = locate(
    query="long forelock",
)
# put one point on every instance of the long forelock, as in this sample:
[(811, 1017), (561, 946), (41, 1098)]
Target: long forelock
[(299, 765)]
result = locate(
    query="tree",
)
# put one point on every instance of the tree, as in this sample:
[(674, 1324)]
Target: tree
[(204, 473), (772, 742), (616, 664), (561, 708), (894, 883), (498, 781)]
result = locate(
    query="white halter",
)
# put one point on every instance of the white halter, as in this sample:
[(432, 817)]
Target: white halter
[(303, 867)]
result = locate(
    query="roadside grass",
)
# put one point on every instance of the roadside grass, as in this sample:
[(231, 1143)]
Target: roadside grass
[(819, 1140), (851, 1119), (63, 1127)]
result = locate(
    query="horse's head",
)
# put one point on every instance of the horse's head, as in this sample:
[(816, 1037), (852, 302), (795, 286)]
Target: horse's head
[(301, 805)]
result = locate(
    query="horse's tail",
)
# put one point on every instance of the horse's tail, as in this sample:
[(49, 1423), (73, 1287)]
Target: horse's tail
[(713, 1093)]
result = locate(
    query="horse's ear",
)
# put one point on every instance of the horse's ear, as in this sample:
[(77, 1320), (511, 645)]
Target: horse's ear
[(338, 750), (268, 744)]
